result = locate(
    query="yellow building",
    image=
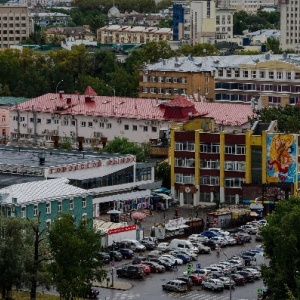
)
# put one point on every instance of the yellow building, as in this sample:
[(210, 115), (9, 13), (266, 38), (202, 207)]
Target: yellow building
[(231, 168), (133, 34)]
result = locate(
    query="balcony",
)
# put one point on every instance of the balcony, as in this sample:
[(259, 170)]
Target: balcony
[(159, 148)]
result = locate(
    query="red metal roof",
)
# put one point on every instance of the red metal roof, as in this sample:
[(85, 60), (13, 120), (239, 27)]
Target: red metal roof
[(89, 91), (179, 102), (136, 108)]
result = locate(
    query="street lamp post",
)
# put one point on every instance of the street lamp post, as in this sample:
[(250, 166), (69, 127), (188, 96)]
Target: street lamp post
[(230, 282), (58, 85)]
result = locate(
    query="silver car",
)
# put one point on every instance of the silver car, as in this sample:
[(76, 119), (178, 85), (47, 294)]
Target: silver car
[(213, 284), (175, 285)]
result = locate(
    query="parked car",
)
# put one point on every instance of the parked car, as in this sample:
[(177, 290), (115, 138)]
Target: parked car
[(165, 263), (151, 239), (213, 284), (197, 238), (139, 259), (155, 267), (184, 257), (247, 275), (193, 255), (219, 231), (216, 272), (204, 273), (155, 254), (256, 274), (126, 253), (147, 269), (238, 279), (211, 244), (230, 240), (105, 257), (237, 263), (175, 285), (134, 245), (148, 244), (131, 271), (202, 248), (187, 280), (196, 280), (116, 255), (173, 258), (92, 293), (209, 234), (258, 237), (219, 240), (245, 236), (163, 247), (227, 281), (250, 229)]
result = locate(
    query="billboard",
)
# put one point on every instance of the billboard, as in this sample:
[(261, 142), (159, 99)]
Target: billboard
[(282, 155)]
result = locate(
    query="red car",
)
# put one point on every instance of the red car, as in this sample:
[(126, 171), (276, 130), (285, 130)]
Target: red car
[(196, 280), (147, 269)]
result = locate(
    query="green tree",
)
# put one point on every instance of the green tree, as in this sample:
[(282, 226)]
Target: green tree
[(153, 51), (15, 251), (273, 44), (281, 240), (75, 250), (198, 50), (163, 172), (124, 146)]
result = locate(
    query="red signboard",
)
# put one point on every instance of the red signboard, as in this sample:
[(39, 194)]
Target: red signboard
[(122, 229)]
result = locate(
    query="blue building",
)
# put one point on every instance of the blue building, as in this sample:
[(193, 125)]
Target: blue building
[(47, 199), (178, 17)]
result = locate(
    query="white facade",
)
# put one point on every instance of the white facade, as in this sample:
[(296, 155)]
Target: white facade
[(250, 6), (224, 24)]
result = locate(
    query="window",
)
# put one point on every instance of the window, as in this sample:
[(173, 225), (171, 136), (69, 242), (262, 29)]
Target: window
[(209, 180), (184, 178), (59, 206), (154, 129), (152, 78), (48, 121), (279, 75), (73, 123), (56, 121), (271, 75), (160, 79), (185, 146), (108, 125), (145, 128), (65, 122), (245, 74), (83, 124), (234, 182), (209, 164), (90, 124), (23, 212), (185, 162), (101, 125), (209, 148), (253, 74), (168, 79), (48, 208), (35, 210), (134, 127), (262, 74), (71, 204), (126, 127), (83, 202)]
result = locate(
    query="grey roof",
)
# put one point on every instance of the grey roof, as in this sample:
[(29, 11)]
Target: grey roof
[(7, 179), (30, 156), (210, 63), (40, 191)]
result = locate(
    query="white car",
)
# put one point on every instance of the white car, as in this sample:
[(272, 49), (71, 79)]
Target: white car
[(163, 247), (213, 284), (203, 273), (219, 231), (216, 271), (173, 258), (219, 240), (254, 272), (230, 240), (198, 238), (226, 270), (230, 266)]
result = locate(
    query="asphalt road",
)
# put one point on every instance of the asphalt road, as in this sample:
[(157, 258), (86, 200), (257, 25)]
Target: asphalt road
[(151, 287)]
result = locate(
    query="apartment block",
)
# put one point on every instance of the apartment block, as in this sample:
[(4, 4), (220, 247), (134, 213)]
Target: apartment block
[(14, 25)]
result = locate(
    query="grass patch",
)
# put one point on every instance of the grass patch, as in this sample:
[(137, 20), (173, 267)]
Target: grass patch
[(21, 295)]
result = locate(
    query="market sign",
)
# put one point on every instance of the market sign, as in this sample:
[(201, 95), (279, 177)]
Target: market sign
[(121, 229), (91, 164)]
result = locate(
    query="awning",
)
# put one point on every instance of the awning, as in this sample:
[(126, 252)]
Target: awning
[(254, 214)]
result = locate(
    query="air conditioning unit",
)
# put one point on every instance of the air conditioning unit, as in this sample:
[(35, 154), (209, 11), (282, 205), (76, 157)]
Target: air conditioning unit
[(72, 133), (119, 121), (95, 120), (24, 125), (29, 130)]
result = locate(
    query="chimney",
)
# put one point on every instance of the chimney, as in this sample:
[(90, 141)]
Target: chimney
[(69, 100), (61, 94)]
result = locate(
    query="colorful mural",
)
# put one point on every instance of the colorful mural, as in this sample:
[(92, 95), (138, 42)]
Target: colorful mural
[(281, 158)]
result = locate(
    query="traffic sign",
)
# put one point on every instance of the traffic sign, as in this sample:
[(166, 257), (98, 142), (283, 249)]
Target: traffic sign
[(189, 266), (259, 292), (198, 266)]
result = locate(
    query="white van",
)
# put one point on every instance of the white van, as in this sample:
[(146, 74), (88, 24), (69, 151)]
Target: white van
[(182, 244), (134, 245)]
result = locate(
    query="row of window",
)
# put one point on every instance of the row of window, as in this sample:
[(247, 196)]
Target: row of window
[(229, 198), (48, 207), (210, 164), (230, 182), (166, 91), (264, 74), (210, 148), (166, 79), (12, 18)]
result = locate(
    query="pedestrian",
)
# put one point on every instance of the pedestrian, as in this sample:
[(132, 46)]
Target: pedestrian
[(176, 212), (175, 266)]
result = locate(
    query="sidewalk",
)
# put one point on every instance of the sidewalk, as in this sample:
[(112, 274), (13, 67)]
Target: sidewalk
[(118, 285)]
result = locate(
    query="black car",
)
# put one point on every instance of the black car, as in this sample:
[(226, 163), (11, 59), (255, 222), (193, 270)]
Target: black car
[(148, 244), (211, 244), (131, 271), (105, 257), (115, 255), (126, 253), (92, 293)]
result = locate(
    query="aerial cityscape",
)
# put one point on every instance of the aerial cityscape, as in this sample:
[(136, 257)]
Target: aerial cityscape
[(149, 150)]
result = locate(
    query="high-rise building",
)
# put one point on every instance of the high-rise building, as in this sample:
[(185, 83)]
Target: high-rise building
[(289, 27), (14, 25)]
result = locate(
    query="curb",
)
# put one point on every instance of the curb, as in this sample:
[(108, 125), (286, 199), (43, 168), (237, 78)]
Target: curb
[(118, 285)]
